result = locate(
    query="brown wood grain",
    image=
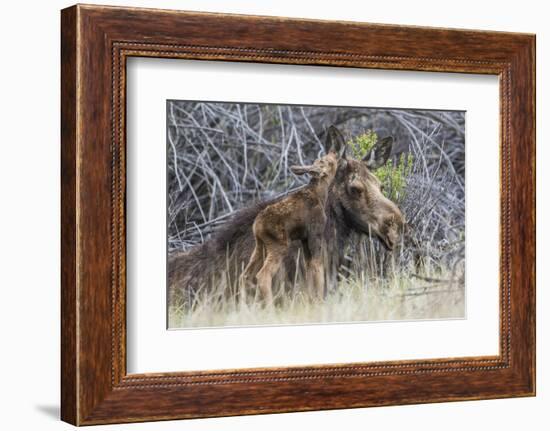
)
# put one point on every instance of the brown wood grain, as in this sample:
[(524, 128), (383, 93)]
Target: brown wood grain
[(96, 41), (68, 217)]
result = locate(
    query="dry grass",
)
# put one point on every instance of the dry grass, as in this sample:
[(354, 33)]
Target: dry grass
[(394, 298)]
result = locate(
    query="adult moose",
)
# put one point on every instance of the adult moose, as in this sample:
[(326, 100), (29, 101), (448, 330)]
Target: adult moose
[(355, 203)]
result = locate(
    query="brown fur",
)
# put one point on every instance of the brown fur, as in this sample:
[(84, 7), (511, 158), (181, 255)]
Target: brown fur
[(367, 210), (298, 217), (223, 256)]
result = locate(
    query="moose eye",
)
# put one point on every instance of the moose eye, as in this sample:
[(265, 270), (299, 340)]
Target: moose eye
[(355, 190)]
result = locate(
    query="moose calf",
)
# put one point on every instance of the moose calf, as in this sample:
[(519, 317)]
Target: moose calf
[(298, 216)]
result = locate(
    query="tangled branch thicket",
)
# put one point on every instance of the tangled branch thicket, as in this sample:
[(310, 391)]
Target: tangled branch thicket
[(224, 156)]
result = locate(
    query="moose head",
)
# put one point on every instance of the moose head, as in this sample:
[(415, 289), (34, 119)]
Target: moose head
[(323, 168), (357, 193)]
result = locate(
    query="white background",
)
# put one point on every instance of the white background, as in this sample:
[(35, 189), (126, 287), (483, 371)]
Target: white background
[(29, 225), (153, 349)]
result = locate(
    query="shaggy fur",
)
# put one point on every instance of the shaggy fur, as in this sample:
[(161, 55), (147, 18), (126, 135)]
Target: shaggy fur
[(298, 217), (354, 203)]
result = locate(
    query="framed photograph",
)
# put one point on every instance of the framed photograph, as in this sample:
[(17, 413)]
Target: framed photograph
[(264, 214)]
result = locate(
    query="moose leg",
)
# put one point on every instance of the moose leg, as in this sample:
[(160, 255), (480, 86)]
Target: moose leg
[(317, 278), (274, 258), (254, 264), (247, 276), (315, 270)]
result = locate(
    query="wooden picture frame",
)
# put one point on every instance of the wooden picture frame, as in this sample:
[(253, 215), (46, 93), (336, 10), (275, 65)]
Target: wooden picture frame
[(96, 41)]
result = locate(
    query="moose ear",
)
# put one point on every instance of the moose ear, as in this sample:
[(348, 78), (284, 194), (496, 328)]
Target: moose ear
[(302, 170), (335, 142), (379, 154)]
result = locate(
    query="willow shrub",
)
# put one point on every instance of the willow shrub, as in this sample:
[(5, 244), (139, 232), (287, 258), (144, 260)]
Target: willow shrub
[(393, 175)]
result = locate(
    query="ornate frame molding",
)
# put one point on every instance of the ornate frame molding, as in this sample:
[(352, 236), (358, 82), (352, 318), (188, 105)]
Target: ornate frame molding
[(96, 41)]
